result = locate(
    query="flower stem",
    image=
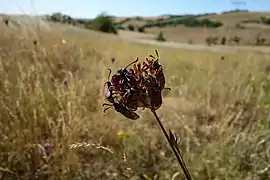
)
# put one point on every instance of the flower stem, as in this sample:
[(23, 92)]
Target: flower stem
[(175, 150)]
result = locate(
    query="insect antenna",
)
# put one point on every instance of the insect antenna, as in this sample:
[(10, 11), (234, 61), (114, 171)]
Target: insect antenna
[(110, 72), (156, 55), (137, 59)]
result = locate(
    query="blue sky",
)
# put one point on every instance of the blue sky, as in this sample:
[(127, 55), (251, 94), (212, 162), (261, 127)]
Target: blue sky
[(91, 8)]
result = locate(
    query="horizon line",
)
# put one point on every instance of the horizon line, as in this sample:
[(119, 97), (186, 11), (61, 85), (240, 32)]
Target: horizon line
[(167, 14)]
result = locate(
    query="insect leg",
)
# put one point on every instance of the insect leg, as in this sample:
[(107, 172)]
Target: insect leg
[(156, 55), (106, 104), (106, 109)]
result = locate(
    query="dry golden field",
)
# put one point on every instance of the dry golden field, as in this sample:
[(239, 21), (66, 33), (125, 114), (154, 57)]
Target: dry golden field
[(218, 106)]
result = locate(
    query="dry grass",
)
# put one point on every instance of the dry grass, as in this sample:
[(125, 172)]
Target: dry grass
[(219, 109)]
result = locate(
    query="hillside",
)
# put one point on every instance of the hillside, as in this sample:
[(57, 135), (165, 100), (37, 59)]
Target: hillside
[(232, 18), (235, 27), (227, 18), (248, 26)]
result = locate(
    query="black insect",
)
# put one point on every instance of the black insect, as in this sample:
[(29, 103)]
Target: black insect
[(125, 79), (119, 107), (123, 110)]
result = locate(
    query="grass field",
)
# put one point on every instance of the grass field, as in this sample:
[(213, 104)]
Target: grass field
[(219, 107)]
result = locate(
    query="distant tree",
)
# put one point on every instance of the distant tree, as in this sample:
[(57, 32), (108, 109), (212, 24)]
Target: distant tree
[(131, 27), (160, 37), (138, 18), (57, 17), (103, 23), (141, 29)]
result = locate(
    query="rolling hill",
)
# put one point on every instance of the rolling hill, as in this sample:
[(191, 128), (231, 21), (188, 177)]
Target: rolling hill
[(246, 25)]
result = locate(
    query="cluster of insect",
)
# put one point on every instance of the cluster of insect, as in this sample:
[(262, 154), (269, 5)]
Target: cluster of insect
[(140, 86)]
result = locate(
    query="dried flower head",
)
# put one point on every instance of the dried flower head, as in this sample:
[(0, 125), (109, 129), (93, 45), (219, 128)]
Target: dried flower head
[(140, 86)]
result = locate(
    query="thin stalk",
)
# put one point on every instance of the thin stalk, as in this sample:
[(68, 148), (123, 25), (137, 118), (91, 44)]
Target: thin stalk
[(175, 150)]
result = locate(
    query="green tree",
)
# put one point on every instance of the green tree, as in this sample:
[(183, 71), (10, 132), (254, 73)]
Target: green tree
[(57, 17), (103, 23), (131, 27), (141, 29)]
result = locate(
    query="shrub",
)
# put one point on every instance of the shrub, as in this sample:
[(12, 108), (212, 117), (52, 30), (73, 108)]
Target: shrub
[(140, 29), (59, 17), (265, 20), (131, 27), (121, 27), (260, 40), (138, 18), (236, 39), (160, 37), (102, 23), (211, 40), (239, 26), (223, 40)]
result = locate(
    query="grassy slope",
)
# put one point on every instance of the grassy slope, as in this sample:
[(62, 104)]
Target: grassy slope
[(230, 19), (221, 121), (198, 35)]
